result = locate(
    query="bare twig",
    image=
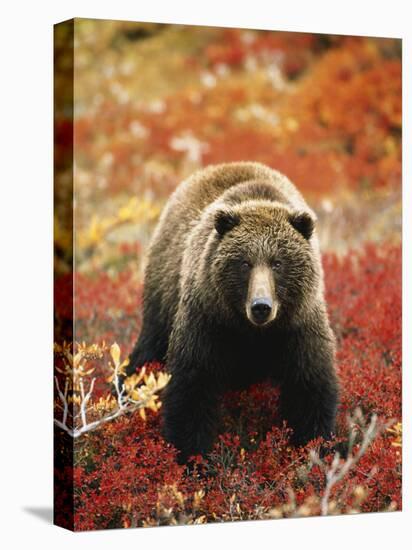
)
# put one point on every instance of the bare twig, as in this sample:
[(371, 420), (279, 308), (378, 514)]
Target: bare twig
[(85, 400), (63, 399), (338, 470), (125, 401)]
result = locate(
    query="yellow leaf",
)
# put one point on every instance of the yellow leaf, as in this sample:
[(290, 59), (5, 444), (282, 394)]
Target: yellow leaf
[(115, 353)]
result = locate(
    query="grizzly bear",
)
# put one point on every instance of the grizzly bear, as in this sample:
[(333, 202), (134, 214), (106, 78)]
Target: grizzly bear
[(234, 294)]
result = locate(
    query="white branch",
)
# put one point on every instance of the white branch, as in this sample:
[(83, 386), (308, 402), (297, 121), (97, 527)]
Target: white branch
[(85, 400), (116, 382), (87, 427), (338, 470), (79, 423), (124, 405), (63, 399)]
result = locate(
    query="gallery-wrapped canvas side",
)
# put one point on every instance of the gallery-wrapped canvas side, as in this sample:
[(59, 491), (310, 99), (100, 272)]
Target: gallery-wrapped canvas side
[(63, 273)]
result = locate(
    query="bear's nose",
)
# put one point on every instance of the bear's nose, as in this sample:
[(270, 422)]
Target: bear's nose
[(261, 308)]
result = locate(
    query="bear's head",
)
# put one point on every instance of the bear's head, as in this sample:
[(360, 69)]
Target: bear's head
[(264, 266)]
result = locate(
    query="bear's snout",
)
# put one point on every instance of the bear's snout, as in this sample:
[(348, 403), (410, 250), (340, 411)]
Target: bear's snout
[(261, 307)]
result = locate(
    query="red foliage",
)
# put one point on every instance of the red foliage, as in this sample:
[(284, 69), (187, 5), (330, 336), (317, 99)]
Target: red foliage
[(365, 304), (105, 306), (126, 468), (234, 46)]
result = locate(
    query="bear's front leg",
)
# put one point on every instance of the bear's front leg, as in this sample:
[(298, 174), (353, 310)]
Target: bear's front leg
[(309, 391), (190, 406), (190, 415)]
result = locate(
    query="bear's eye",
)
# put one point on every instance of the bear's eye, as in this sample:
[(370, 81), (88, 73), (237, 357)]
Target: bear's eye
[(245, 266), (276, 265)]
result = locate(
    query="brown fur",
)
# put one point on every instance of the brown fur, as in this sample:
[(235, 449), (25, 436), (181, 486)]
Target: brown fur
[(223, 227)]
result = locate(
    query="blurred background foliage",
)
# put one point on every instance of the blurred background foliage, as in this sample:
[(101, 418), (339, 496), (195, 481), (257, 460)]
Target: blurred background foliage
[(154, 102)]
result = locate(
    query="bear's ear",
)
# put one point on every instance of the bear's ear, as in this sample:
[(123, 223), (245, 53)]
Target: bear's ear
[(303, 222), (225, 220)]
